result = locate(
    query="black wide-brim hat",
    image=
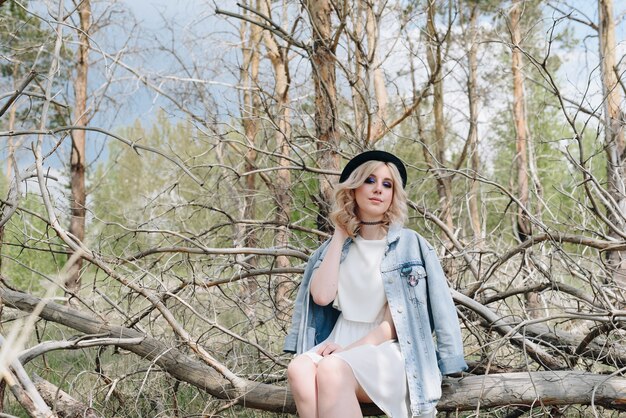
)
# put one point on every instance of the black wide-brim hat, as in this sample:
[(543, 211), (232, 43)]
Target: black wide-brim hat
[(373, 156)]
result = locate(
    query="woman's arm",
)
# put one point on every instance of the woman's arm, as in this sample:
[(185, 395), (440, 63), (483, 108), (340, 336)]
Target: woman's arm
[(325, 279), (383, 332)]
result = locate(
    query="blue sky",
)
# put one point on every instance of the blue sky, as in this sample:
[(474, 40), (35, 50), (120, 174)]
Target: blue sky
[(194, 19)]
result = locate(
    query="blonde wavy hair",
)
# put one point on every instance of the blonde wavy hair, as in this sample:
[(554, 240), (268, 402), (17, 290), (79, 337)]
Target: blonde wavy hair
[(344, 213)]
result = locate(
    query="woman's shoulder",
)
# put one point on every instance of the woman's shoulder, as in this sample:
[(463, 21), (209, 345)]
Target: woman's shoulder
[(406, 232), (410, 235), (319, 251), (321, 247)]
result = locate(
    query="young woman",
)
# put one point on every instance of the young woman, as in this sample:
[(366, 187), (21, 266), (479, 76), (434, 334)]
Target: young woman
[(370, 299)]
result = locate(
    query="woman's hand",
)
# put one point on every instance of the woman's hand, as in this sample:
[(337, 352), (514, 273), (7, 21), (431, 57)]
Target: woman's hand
[(328, 348)]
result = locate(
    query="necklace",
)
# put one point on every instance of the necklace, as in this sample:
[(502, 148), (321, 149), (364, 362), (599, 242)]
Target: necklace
[(372, 223)]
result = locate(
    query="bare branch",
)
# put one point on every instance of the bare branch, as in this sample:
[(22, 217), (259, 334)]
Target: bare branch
[(133, 144), (83, 342), (67, 406), (524, 388), (270, 26), (29, 77)]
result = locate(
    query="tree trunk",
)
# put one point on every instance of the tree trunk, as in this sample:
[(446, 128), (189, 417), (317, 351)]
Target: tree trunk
[(489, 391), (377, 126), (324, 80), (10, 144), (524, 230), (280, 65), (249, 75), (12, 114), (10, 157), (433, 53), (474, 209), (519, 119), (77, 163), (614, 135), (370, 110), (356, 60), (61, 402)]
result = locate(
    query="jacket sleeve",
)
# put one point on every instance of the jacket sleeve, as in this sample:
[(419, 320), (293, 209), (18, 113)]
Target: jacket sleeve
[(443, 314), (301, 304)]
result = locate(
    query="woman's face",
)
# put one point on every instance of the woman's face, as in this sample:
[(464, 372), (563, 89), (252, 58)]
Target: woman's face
[(374, 196)]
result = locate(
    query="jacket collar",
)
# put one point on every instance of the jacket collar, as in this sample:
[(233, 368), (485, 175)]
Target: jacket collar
[(394, 233)]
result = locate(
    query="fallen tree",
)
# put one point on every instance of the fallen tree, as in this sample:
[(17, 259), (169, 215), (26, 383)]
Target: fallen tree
[(532, 388), (62, 403)]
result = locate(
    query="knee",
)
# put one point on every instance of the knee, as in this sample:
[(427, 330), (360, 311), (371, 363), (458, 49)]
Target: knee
[(333, 374), (299, 371)]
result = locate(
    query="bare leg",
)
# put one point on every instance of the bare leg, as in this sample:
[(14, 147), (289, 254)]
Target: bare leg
[(301, 373), (339, 392)]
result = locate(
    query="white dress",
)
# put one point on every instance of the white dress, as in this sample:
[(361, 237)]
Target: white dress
[(379, 369)]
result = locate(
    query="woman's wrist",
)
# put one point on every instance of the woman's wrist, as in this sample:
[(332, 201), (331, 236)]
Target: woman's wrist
[(340, 234)]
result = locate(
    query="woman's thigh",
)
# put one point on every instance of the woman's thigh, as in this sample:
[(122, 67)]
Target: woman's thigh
[(336, 365)]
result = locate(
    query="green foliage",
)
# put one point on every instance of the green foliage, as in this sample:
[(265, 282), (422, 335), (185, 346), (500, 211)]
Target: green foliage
[(548, 129), (26, 44), (144, 190), (140, 201), (32, 255)]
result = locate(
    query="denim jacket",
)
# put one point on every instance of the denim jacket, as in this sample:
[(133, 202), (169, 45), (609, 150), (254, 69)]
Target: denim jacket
[(420, 304)]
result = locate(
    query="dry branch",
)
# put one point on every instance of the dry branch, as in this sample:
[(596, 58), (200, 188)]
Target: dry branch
[(29, 77), (276, 252), (132, 144), (62, 403), (87, 341), (502, 327), (23, 397), (532, 388), (20, 383)]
